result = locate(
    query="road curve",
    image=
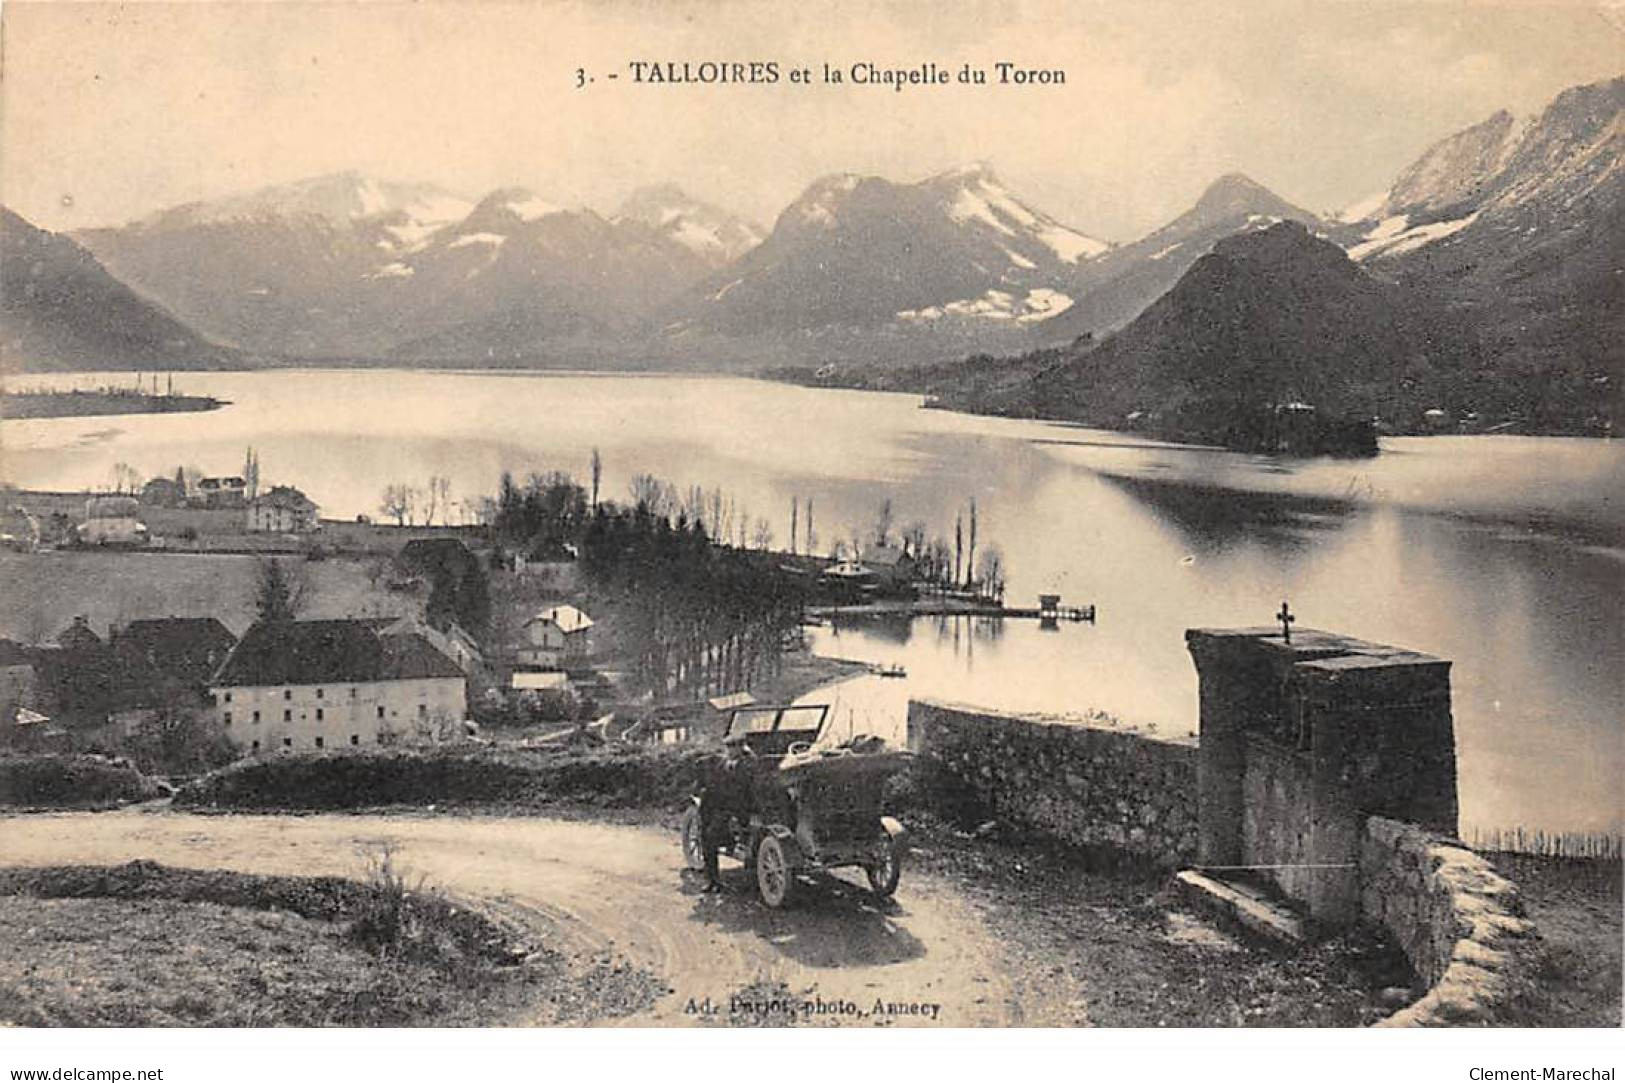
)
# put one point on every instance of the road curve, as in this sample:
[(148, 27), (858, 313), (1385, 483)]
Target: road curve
[(600, 887)]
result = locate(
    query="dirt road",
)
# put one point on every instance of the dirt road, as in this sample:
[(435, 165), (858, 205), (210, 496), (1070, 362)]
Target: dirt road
[(598, 887)]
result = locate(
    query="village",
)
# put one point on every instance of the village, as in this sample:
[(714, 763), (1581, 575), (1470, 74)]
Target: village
[(531, 620)]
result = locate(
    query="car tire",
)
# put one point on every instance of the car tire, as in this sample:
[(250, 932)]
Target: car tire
[(775, 873)]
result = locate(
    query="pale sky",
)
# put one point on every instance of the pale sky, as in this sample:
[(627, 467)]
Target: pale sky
[(108, 112)]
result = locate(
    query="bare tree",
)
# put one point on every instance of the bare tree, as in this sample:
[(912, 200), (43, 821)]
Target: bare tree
[(652, 493), (990, 573), (883, 519), (439, 499), (597, 476), (397, 503), (970, 553), (795, 507), (812, 535), (251, 473), (126, 478), (959, 545), (763, 536)]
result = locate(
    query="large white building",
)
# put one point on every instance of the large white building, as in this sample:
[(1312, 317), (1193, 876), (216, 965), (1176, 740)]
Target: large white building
[(336, 683)]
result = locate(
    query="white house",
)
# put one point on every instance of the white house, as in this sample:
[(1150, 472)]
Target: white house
[(282, 510), (336, 683), (555, 638)]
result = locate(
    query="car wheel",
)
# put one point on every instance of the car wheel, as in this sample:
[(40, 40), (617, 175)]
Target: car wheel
[(887, 868), (775, 876), (693, 843)]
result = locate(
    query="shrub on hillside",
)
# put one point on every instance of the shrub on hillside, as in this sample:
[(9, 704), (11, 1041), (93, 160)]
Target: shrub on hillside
[(60, 781), (611, 775)]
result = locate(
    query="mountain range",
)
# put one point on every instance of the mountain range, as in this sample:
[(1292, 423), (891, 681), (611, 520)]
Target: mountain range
[(60, 309), (1513, 225)]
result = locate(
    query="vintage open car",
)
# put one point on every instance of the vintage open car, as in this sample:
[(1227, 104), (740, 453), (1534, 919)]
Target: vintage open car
[(808, 806)]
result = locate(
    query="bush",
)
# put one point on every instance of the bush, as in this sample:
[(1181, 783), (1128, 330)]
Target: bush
[(609, 775), (59, 781)]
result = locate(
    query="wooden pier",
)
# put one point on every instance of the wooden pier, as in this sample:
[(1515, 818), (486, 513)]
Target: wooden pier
[(951, 607)]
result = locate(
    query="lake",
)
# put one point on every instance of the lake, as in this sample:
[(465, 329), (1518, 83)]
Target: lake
[(1505, 555)]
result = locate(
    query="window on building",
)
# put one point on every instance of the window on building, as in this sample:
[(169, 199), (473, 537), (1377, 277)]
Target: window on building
[(318, 742), (318, 714), (318, 693), (256, 716), (287, 742), (355, 738), (380, 710), (287, 716), (256, 746), (228, 697), (226, 718), (287, 693), (423, 710)]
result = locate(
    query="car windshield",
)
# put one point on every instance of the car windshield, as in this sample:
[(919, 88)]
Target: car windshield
[(773, 729)]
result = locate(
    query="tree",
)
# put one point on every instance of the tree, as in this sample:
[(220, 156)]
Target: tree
[(812, 535), (597, 476), (883, 520), (970, 552), (959, 545), (251, 473), (275, 597), (990, 573), (914, 540), (763, 536), (795, 507), (126, 478), (652, 494), (397, 503), (439, 497)]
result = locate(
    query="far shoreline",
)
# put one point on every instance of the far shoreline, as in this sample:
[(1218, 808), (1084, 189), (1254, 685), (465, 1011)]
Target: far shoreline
[(41, 405)]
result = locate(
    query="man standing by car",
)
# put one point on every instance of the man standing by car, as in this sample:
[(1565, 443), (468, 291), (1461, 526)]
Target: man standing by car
[(727, 794)]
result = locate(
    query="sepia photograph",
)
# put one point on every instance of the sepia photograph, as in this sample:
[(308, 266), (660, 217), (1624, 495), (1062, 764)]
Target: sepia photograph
[(865, 516)]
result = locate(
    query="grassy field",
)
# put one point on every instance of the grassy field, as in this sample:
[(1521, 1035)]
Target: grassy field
[(41, 593)]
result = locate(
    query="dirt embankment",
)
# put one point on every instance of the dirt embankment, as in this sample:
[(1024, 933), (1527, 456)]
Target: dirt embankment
[(143, 944)]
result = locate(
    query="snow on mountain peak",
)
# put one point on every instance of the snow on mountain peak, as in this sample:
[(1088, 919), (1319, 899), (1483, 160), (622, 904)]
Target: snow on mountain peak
[(977, 196), (698, 226)]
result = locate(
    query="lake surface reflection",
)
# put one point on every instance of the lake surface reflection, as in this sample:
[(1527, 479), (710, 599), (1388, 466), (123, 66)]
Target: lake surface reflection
[(1505, 555)]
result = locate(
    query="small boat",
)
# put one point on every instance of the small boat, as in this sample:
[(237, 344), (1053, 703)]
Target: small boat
[(891, 671)]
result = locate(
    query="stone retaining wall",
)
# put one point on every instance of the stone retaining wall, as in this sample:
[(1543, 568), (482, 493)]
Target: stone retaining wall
[(1084, 785), (1459, 922)]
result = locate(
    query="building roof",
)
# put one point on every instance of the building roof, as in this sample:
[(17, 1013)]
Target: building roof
[(883, 556), (428, 553), (731, 702), (536, 682), (285, 496), (568, 618), (189, 649), (304, 652), (411, 658), (78, 636), (329, 652), (14, 654)]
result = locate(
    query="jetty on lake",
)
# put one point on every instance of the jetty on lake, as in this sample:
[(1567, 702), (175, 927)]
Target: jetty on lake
[(1049, 610)]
